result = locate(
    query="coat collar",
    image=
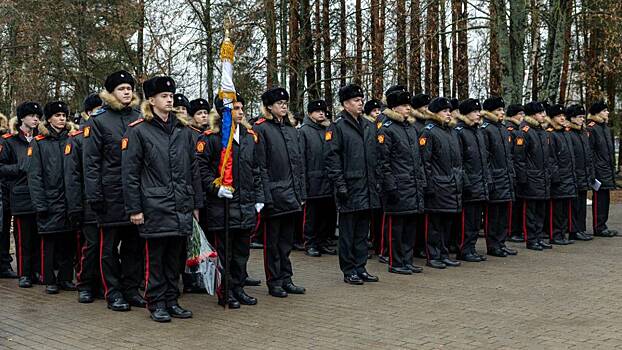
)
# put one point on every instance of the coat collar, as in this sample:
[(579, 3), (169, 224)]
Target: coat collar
[(114, 104)]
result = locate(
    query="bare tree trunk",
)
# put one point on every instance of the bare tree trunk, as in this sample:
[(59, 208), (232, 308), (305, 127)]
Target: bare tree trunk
[(414, 79), (317, 37), (402, 74), (140, 45), (535, 48), (328, 91), (456, 9), (463, 53), (358, 61), (294, 59), (307, 54), (343, 69), (563, 83), (431, 50), (378, 14), (272, 78), (444, 53), (283, 42), (495, 65)]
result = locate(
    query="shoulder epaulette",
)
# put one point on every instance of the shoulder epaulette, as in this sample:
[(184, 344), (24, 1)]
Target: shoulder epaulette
[(39, 137), (136, 122), (387, 123), (75, 133), (430, 126), (592, 123), (193, 128), (98, 112), (251, 131), (8, 135), (510, 128), (525, 128), (485, 124), (459, 128), (208, 132), (338, 120), (550, 129), (261, 120)]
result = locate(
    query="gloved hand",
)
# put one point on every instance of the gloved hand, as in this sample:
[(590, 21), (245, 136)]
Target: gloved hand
[(393, 196), (342, 193), (258, 207), (75, 218), (225, 193)]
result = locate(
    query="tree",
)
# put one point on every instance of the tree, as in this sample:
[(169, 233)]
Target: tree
[(272, 78), (401, 50), (414, 76), (431, 49)]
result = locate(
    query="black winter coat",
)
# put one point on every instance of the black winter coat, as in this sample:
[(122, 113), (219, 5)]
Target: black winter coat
[(442, 161), (563, 181), (281, 165), (351, 162), (583, 159), (474, 162), (47, 182), (102, 159), (601, 143), (246, 179), (401, 170), (313, 147), (14, 163), (160, 175), (531, 161), (498, 143), (74, 179)]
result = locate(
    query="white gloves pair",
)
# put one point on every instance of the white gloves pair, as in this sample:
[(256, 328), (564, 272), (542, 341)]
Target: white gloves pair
[(225, 193)]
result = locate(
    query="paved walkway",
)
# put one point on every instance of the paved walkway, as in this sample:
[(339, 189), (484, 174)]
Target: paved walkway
[(570, 297)]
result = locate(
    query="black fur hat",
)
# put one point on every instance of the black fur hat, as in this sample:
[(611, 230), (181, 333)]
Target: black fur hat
[(514, 109), (350, 91), (398, 98), (395, 88), (574, 111), (420, 100), (533, 107), (598, 107), (494, 102), (91, 101), (371, 105), (181, 100), (455, 104), (555, 110), (52, 108), (273, 95), (469, 105), (156, 85), (28, 108), (117, 78), (438, 104), (317, 105), (197, 105)]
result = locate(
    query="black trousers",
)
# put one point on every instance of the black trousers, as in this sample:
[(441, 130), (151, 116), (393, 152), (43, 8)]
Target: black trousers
[(162, 271), (437, 230), (5, 240), (320, 221), (600, 210), (122, 268), (516, 226), (239, 241), (278, 236), (27, 245), (353, 230), (559, 218), (57, 251), (420, 245), (88, 274), (534, 216), (469, 226), (578, 213), (401, 237), (377, 232), (257, 232), (497, 224)]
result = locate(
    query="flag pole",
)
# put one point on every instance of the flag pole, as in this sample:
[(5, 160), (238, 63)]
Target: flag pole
[(227, 287)]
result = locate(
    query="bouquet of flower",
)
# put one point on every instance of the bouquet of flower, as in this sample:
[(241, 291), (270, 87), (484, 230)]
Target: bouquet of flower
[(202, 260)]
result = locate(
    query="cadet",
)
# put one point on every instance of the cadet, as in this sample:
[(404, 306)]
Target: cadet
[(442, 161), (476, 178), (14, 162), (181, 106), (513, 118), (161, 189), (403, 180), (601, 143), (320, 213), (104, 192), (498, 142), (584, 172), (47, 190), (372, 110), (282, 173), (6, 271), (531, 163), (352, 164), (245, 202), (563, 181)]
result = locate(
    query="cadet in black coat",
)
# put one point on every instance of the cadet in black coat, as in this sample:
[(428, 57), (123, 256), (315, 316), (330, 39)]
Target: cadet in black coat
[(513, 118), (498, 141), (377, 235), (104, 192), (282, 174), (47, 190), (442, 161), (320, 212), (351, 163), (584, 171), (533, 177), (246, 200), (563, 181), (476, 178), (601, 143), (161, 189), (81, 216), (6, 271), (403, 180), (15, 157)]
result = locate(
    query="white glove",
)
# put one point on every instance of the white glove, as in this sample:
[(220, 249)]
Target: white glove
[(225, 193), (259, 206)]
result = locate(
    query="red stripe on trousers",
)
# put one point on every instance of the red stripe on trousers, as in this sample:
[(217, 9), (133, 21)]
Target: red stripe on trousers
[(304, 221), (551, 219), (594, 210), (510, 208), (390, 240), (101, 266), (146, 270), (42, 277), (425, 228), (382, 252), (486, 221), (525, 219)]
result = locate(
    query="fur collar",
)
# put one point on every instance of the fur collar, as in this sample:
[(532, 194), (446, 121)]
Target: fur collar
[(43, 129), (148, 115), (421, 113), (465, 120), (555, 125), (531, 121), (574, 126), (596, 118), (393, 115), (215, 122), (490, 116), (267, 115), (114, 104), (437, 118), (513, 120), (308, 120), (370, 118)]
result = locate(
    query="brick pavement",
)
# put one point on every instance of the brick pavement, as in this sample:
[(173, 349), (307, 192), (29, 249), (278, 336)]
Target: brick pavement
[(570, 297)]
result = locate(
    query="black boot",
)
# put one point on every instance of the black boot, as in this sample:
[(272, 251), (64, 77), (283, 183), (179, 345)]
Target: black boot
[(244, 298), (160, 315)]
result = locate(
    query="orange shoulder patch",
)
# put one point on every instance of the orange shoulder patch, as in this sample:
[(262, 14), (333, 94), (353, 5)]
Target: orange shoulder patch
[(87, 131), (510, 128), (592, 123), (124, 142), (255, 137), (39, 137), (422, 141), (261, 120), (200, 146), (510, 139), (136, 122), (525, 128), (29, 151), (193, 128), (520, 141), (328, 136), (378, 125), (380, 138), (208, 132), (75, 133), (8, 135), (67, 149)]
